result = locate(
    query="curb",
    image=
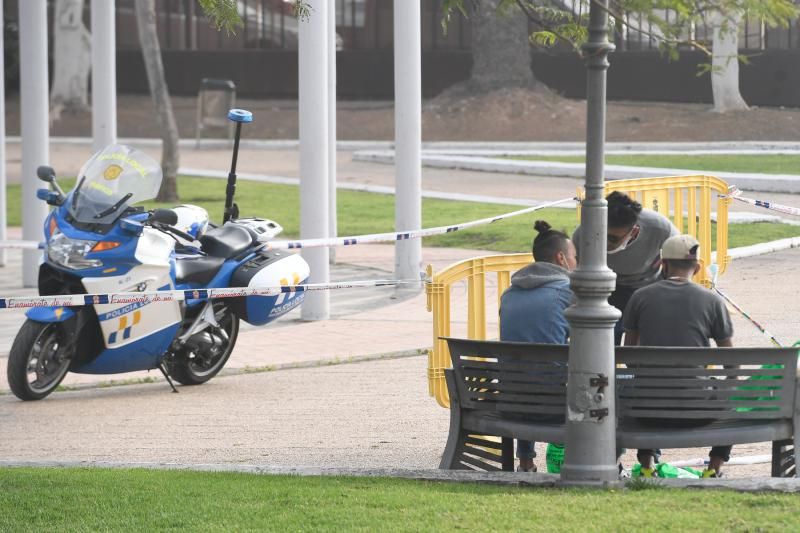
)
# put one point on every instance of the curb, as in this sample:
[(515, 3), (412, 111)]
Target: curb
[(227, 372), (763, 248), (377, 189), (527, 479), (483, 148), (779, 183)]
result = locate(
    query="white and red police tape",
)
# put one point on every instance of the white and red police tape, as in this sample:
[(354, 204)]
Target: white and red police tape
[(361, 239), (22, 245), (736, 194), (74, 300)]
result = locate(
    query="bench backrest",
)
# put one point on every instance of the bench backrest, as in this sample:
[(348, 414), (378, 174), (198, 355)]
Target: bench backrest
[(509, 377), (689, 390), (530, 379)]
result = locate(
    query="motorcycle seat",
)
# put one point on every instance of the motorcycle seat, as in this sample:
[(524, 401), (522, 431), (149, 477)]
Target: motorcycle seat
[(226, 241), (197, 269)]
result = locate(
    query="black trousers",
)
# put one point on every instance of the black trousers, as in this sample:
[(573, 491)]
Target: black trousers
[(619, 299)]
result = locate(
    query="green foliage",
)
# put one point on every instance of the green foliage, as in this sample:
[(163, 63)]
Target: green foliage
[(555, 24), (223, 14), (302, 10), (87, 499)]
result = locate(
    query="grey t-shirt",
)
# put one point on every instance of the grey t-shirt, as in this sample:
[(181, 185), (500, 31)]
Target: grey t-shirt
[(639, 264), (677, 313)]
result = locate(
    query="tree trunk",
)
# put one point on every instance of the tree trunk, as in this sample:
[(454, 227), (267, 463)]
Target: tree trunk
[(151, 51), (501, 49), (71, 59), (725, 63)]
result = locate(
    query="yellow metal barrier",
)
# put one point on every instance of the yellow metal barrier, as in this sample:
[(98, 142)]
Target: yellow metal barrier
[(439, 290), (688, 201), (696, 195)]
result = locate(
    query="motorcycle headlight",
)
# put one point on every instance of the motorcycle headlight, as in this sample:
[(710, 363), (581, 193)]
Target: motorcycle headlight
[(70, 253)]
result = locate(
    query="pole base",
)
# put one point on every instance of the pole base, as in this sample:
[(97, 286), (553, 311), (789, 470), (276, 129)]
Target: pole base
[(590, 476)]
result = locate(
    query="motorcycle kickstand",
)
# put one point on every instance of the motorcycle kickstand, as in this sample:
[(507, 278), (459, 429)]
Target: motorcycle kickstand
[(169, 379)]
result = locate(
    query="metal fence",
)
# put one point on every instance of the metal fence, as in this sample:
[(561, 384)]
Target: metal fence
[(271, 24)]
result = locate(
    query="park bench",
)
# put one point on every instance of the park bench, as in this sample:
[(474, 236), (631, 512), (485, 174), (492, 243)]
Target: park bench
[(500, 391)]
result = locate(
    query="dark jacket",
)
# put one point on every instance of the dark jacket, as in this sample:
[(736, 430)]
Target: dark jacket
[(532, 308)]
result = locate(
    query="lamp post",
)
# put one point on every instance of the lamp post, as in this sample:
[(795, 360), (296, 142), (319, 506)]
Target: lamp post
[(590, 454), (313, 121), (34, 128), (407, 136), (104, 75)]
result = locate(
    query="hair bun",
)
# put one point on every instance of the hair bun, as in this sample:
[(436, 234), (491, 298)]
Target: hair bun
[(541, 226)]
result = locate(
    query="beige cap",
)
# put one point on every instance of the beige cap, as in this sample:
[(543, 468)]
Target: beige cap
[(680, 247)]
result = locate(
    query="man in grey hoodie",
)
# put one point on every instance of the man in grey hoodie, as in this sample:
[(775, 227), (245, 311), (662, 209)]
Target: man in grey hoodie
[(532, 308)]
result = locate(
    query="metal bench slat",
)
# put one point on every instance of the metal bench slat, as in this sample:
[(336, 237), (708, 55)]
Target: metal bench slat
[(624, 410), (524, 399), (699, 384), (677, 371), (698, 393)]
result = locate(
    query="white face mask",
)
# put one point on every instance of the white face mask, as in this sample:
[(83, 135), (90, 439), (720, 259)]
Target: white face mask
[(624, 244), (621, 247)]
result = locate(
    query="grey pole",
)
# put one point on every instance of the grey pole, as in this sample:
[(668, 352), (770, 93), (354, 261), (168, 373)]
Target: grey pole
[(313, 121), (104, 75), (3, 200), (332, 223), (590, 454), (34, 108), (407, 135)]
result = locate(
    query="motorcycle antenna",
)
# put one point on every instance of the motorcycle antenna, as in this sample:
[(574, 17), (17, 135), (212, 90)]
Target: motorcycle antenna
[(239, 116)]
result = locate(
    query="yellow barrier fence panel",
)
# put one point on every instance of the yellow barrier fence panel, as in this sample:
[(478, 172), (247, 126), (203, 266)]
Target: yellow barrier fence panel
[(439, 290)]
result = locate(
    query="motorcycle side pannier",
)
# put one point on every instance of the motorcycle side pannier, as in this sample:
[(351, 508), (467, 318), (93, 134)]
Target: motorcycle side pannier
[(269, 269)]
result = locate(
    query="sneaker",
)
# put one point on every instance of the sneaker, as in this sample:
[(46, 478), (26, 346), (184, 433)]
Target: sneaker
[(648, 472), (531, 469), (711, 473)]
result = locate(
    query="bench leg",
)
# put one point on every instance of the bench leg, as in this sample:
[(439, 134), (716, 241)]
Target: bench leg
[(455, 441), (467, 451), (783, 458), (507, 447)]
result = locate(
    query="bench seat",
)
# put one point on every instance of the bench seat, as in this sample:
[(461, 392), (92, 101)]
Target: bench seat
[(501, 391)]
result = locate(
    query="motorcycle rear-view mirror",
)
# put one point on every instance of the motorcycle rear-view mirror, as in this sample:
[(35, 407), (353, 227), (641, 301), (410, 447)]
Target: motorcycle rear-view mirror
[(46, 173), (164, 216)]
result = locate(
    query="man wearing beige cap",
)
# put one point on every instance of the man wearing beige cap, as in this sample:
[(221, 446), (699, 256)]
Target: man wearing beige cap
[(677, 312)]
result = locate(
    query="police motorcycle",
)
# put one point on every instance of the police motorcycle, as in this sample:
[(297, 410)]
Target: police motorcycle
[(97, 241)]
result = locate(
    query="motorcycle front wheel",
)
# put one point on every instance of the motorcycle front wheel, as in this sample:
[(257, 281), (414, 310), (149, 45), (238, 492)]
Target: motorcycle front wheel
[(206, 352), (37, 362)]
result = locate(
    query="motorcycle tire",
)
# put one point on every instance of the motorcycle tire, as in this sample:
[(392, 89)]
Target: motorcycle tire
[(37, 353), (198, 370)]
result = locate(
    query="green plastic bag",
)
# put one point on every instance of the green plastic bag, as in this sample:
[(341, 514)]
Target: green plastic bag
[(554, 457), (769, 398), (666, 470)]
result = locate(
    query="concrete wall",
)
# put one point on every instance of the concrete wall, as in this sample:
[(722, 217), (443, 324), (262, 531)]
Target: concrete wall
[(771, 79)]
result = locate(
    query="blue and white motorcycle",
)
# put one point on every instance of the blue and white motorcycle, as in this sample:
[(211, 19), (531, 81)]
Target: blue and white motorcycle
[(98, 241)]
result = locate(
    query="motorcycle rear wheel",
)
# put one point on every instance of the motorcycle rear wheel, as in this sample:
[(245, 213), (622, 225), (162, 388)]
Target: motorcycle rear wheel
[(37, 363), (204, 366)]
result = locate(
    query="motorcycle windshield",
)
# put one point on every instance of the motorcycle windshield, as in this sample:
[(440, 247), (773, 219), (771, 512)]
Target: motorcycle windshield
[(114, 179)]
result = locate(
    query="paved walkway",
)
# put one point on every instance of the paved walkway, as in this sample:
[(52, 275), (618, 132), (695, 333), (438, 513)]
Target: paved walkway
[(372, 414)]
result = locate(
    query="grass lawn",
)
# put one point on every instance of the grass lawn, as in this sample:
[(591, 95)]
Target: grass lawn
[(53, 499), (765, 164), (362, 213)]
